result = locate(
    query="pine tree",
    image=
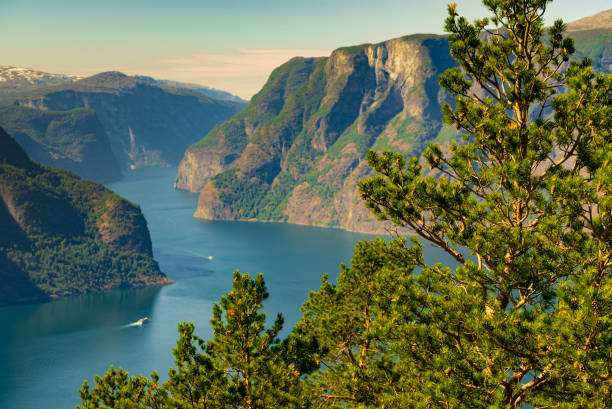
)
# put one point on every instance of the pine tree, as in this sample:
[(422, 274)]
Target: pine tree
[(348, 330), (523, 205), (195, 383), (116, 391), (241, 367), (248, 354)]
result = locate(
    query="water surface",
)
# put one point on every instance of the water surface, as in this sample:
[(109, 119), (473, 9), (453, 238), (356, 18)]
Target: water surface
[(47, 350)]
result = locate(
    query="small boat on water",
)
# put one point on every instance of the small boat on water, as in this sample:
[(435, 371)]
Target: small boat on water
[(141, 321)]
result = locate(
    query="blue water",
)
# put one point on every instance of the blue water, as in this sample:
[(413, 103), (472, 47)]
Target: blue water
[(47, 350)]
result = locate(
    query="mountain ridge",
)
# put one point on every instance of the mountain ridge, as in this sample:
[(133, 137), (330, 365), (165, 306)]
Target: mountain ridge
[(598, 21), (296, 154), (307, 143), (146, 124)]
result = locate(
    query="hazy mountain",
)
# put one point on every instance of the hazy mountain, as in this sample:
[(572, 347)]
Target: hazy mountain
[(209, 92), (599, 21), (16, 80), (593, 38), (73, 140), (62, 235), (147, 124), (297, 152)]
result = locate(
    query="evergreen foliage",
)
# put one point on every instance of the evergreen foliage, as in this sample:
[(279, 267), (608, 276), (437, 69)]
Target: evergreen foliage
[(241, 367), (523, 206), (527, 195)]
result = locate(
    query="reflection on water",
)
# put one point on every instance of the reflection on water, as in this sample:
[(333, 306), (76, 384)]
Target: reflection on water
[(47, 350)]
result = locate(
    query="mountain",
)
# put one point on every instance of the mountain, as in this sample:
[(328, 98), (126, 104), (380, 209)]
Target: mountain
[(593, 38), (16, 80), (297, 152), (73, 140), (147, 125), (62, 235), (599, 21), (204, 90)]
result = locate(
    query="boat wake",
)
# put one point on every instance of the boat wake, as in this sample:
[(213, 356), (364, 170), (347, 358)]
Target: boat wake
[(138, 323)]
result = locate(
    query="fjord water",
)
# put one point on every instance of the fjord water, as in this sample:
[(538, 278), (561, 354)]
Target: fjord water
[(47, 350)]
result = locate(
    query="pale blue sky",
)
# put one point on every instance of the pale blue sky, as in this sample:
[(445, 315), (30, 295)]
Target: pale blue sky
[(231, 44)]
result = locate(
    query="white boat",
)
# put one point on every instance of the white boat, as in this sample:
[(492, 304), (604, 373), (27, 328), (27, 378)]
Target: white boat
[(141, 321)]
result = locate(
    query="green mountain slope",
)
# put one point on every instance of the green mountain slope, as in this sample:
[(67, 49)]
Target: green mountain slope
[(62, 235), (593, 38), (74, 140), (297, 152), (147, 124)]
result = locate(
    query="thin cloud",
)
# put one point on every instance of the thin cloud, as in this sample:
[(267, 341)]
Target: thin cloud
[(241, 71)]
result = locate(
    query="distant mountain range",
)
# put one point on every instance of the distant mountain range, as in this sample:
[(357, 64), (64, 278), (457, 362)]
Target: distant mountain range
[(75, 140), (297, 152), (73, 123), (209, 92), (593, 38), (62, 235), (16, 80), (19, 80), (599, 21)]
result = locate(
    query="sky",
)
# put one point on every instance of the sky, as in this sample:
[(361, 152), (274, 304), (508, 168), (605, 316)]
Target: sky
[(231, 45)]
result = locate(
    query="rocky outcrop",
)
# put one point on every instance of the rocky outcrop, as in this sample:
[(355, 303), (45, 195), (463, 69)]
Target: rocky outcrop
[(147, 124), (192, 175), (122, 226), (62, 235)]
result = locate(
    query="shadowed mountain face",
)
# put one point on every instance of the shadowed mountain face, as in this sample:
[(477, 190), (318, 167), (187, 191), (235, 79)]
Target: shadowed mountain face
[(74, 140), (62, 235), (297, 152), (147, 124)]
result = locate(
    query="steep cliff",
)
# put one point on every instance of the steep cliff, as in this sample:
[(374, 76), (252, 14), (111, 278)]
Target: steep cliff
[(73, 140), (147, 124), (218, 150), (61, 235), (296, 153)]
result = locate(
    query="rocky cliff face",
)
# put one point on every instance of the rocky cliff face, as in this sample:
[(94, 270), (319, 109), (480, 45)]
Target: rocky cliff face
[(147, 124), (222, 146), (73, 140), (297, 152), (62, 235)]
